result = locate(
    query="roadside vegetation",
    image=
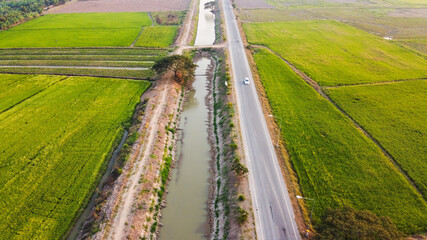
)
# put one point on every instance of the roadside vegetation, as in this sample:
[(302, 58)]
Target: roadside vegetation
[(348, 223), (333, 53), (60, 133), (336, 164), (395, 114), (229, 169)]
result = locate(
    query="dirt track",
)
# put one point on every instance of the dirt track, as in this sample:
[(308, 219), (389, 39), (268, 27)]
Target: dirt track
[(121, 6)]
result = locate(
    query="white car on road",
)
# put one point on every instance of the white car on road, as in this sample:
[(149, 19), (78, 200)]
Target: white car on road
[(246, 81)]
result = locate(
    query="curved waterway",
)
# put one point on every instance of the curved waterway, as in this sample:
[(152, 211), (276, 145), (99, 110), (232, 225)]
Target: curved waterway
[(185, 216)]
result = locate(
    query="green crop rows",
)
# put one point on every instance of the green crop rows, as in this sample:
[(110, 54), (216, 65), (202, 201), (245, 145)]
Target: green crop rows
[(112, 62), (57, 134), (396, 115), (164, 36), (333, 53), (336, 163)]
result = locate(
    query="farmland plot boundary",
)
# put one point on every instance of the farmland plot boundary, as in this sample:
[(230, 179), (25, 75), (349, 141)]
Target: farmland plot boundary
[(319, 90)]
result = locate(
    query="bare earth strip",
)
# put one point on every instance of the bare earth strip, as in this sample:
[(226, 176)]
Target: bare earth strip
[(121, 6), (248, 4)]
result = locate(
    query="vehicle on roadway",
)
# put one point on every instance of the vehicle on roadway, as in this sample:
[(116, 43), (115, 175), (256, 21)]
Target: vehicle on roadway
[(246, 81)]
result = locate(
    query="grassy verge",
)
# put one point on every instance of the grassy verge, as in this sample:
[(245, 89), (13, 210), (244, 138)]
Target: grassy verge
[(229, 169), (58, 143), (336, 164), (395, 114)]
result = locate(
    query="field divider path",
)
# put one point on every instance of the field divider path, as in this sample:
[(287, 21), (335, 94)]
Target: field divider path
[(128, 196), (182, 38), (137, 37), (376, 83), (319, 90), (78, 67)]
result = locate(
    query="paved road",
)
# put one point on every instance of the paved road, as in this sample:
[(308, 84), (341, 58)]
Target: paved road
[(274, 215)]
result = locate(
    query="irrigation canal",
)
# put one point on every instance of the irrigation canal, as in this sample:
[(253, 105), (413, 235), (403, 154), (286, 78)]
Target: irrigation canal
[(186, 214)]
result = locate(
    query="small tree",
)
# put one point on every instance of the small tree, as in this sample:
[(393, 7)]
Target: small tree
[(182, 66), (350, 224), (212, 5)]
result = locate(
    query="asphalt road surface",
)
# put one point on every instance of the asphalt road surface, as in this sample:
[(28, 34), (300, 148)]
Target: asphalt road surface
[(274, 215)]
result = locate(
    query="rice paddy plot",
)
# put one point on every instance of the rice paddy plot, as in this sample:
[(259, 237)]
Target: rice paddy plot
[(333, 53), (335, 162), (76, 30), (157, 36), (55, 145), (106, 62), (395, 114)]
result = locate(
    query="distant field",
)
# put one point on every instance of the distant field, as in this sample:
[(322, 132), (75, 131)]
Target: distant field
[(336, 164), (417, 44), (274, 15), (401, 22), (396, 115), (163, 35), (88, 6), (329, 3), (58, 133), (333, 53), (76, 30)]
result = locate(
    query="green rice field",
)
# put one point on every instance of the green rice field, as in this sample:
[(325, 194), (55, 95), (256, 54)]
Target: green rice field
[(336, 163), (163, 35), (57, 134), (396, 115), (76, 30), (333, 53)]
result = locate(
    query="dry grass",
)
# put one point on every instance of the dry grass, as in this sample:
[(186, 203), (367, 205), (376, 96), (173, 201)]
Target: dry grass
[(121, 6)]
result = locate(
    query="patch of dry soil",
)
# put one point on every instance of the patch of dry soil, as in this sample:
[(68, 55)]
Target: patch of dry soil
[(410, 12), (248, 4), (88, 6)]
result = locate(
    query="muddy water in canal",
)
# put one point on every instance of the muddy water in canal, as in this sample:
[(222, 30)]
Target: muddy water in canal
[(185, 216), (206, 26)]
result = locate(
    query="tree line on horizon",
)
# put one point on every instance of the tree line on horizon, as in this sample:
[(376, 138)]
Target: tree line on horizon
[(13, 12)]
